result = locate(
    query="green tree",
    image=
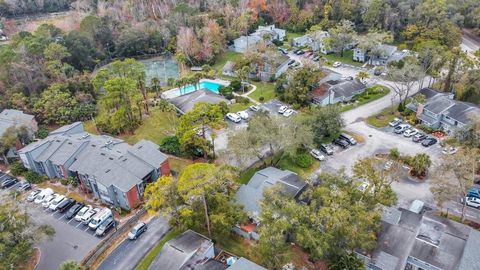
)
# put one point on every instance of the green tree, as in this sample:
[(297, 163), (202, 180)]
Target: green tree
[(18, 235), (56, 105), (362, 75), (346, 262), (404, 79), (210, 185), (71, 265), (270, 136), (162, 197), (420, 164), (335, 222), (198, 120), (120, 106), (299, 86), (55, 54), (455, 176), (7, 141), (469, 134), (326, 122), (342, 36)]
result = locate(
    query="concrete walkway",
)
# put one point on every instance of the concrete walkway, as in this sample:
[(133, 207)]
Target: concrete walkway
[(254, 88)]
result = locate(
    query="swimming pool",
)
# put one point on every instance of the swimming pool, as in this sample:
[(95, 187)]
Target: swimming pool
[(209, 85)]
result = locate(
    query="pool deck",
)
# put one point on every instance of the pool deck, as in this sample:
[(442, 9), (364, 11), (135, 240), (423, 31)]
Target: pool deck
[(173, 93)]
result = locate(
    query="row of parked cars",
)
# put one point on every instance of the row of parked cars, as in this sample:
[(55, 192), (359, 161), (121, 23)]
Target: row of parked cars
[(99, 220), (344, 141), (410, 132), (473, 198)]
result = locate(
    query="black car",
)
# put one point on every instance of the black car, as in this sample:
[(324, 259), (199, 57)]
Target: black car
[(106, 226), (74, 210), (65, 205), (327, 149), (9, 182), (429, 142), (342, 143), (291, 62)]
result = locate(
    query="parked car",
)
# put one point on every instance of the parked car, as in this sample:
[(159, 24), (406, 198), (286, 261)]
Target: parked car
[(74, 210), (282, 50), (327, 149), (473, 192), (89, 215), (32, 195), (316, 58), (473, 202), (233, 117), (254, 108), (9, 182), (377, 72), (137, 231), (243, 114), (300, 52), (288, 112), (291, 62), (348, 138), (42, 195), (282, 109), (419, 137), (395, 122), (429, 142), (106, 226), (410, 132), (342, 143), (48, 200), (401, 128), (363, 186), (336, 64), (65, 205), (56, 202), (82, 212), (100, 217), (24, 186), (317, 154), (449, 150)]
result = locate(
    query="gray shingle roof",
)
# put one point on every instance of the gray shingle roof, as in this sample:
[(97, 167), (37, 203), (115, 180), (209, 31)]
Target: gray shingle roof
[(149, 152), (439, 104), (251, 194), (177, 252), (346, 89), (186, 102), (16, 118), (471, 253), (244, 264)]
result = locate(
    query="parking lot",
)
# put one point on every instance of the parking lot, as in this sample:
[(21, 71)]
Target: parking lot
[(72, 239)]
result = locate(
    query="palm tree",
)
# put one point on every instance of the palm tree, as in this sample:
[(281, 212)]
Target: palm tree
[(420, 164), (362, 75), (242, 74), (156, 86)]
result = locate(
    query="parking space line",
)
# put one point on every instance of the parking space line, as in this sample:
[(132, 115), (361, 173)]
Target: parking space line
[(80, 223), (70, 221), (61, 216), (86, 229), (53, 213)]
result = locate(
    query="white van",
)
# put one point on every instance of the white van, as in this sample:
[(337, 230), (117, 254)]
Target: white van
[(99, 218), (42, 195), (56, 202), (234, 118)]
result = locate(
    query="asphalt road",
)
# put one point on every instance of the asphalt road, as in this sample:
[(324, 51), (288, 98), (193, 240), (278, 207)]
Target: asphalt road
[(470, 42), (129, 253)]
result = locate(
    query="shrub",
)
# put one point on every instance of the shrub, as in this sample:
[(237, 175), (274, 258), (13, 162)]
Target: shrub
[(394, 154), (236, 85), (171, 145), (33, 177), (277, 42), (243, 100), (42, 133), (17, 169), (64, 182), (261, 98), (304, 160), (420, 164)]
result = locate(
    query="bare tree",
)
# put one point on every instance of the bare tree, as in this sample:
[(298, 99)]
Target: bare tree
[(455, 176), (404, 79)]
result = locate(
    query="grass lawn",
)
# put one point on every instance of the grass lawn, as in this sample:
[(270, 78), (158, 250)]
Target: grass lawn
[(154, 128), (292, 35), (236, 107), (148, 259), (90, 127), (267, 90), (287, 163), (383, 118), (346, 59), (178, 164), (227, 56), (371, 94)]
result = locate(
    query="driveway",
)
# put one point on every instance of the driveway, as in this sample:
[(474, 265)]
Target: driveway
[(129, 253)]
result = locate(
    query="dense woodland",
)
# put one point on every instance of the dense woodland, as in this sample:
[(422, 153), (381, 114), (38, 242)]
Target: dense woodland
[(49, 62)]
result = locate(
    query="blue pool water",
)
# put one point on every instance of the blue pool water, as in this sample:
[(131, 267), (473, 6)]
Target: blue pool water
[(212, 86)]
